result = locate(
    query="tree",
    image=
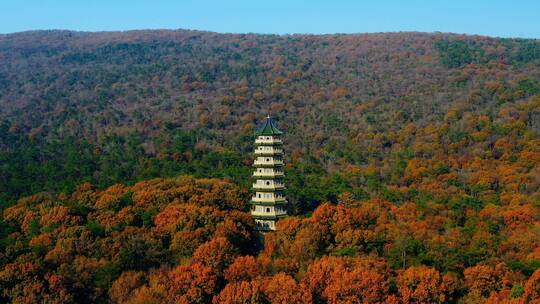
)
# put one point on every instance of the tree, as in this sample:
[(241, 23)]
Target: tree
[(217, 254), (356, 286), (532, 288), (283, 289), (242, 292), (484, 279), (192, 284), (122, 289), (243, 268), (423, 284)]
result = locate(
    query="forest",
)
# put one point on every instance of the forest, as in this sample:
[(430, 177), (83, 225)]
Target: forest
[(412, 168)]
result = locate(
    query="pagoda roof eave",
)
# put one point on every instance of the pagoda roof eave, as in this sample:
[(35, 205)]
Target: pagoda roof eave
[(269, 128)]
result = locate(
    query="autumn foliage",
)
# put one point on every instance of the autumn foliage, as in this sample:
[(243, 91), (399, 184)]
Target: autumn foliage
[(151, 243), (413, 173)]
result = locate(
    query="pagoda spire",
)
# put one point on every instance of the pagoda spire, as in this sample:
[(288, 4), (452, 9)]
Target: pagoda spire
[(268, 204)]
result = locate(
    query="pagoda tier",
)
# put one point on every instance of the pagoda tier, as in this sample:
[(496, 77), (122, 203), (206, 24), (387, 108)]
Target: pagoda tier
[(268, 173), (268, 161), (268, 185), (268, 150), (268, 198), (268, 201)]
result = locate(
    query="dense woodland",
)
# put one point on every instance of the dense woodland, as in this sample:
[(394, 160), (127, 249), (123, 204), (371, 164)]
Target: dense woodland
[(413, 168)]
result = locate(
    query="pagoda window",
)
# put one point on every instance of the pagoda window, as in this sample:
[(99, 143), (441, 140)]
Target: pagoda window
[(268, 210)]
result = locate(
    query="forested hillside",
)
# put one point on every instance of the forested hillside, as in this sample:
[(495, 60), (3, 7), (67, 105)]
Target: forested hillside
[(190, 241), (121, 107), (413, 168)]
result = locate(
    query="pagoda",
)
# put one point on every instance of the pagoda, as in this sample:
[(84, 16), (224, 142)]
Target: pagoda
[(268, 202)]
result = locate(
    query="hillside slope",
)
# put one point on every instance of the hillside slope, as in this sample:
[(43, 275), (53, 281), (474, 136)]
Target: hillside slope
[(185, 240), (121, 107), (413, 168)]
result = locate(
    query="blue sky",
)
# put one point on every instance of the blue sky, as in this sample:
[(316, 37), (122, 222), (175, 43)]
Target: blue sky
[(512, 18)]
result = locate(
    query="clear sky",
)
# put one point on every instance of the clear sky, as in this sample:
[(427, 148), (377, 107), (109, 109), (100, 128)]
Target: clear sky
[(511, 18)]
